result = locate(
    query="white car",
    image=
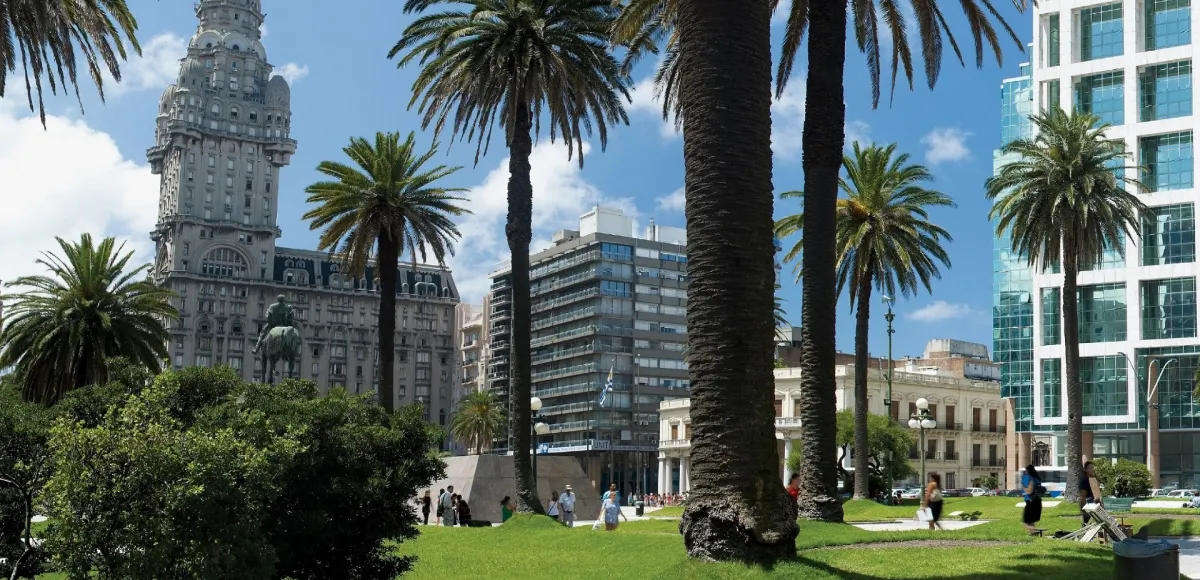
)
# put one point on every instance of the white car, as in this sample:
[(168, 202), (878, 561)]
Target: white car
[(977, 491), (1182, 494), (914, 493)]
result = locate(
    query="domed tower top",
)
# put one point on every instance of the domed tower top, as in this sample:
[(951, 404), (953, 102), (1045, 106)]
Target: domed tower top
[(244, 16)]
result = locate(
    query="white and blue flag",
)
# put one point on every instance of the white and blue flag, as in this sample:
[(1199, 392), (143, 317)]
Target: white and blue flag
[(608, 386)]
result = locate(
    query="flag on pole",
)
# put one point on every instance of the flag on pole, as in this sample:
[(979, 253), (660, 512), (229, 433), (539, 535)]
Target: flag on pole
[(608, 385)]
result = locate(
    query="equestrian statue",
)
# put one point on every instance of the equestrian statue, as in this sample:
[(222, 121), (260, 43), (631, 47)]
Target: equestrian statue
[(278, 340)]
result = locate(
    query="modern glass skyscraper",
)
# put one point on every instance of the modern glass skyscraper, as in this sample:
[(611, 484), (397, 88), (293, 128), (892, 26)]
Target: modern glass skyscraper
[(1130, 63)]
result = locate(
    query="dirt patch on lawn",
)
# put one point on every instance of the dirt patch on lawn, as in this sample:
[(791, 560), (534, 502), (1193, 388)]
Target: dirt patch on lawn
[(921, 544)]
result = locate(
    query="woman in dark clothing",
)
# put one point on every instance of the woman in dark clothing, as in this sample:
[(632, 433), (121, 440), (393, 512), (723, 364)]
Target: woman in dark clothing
[(1031, 483), (426, 502), (1089, 490), (933, 499), (464, 512)]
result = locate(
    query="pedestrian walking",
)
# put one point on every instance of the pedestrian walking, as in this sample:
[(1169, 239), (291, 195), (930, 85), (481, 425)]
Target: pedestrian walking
[(933, 499), (446, 503), (552, 507), (426, 503), (610, 512), (612, 494), (1031, 488), (566, 503), (1089, 490)]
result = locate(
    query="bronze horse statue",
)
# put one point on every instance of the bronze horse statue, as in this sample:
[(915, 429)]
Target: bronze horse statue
[(282, 343)]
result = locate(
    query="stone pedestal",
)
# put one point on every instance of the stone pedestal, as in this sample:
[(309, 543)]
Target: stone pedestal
[(485, 479)]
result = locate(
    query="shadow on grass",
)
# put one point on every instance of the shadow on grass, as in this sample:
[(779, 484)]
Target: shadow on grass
[(1067, 563)]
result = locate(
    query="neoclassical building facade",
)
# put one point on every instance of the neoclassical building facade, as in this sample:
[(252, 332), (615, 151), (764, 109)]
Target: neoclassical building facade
[(967, 442), (222, 141)]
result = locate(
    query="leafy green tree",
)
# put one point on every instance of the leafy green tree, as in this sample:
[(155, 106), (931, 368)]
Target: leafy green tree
[(391, 203), (885, 241), (477, 421), (1064, 201), (986, 482), (44, 35), (715, 77), (1124, 478), (519, 64), (210, 477), (888, 443), (24, 469), (62, 329)]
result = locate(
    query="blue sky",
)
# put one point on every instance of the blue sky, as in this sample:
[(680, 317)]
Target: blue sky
[(88, 173)]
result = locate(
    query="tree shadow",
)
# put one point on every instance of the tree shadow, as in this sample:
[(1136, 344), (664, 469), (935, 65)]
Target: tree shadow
[(1065, 559)]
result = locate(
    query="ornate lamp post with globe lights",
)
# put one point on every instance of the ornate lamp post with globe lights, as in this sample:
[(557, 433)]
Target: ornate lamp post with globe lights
[(536, 428), (921, 421)]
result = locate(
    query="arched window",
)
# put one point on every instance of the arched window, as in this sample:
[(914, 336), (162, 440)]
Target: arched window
[(224, 263), (233, 112), (216, 108), (236, 47)]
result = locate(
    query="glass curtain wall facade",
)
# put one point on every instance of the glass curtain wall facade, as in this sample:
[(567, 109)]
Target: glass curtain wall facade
[(1137, 305)]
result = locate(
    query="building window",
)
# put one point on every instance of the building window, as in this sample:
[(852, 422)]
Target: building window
[(1165, 91), (1102, 95), (1101, 32), (225, 263), (1112, 258), (1105, 385), (1167, 160), (1169, 235), (1053, 94), (1168, 23), (1051, 317), (1051, 387), (1053, 46), (1102, 311), (616, 252), (1169, 308)]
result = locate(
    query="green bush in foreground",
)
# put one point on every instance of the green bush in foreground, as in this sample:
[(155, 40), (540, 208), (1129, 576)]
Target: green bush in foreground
[(202, 476)]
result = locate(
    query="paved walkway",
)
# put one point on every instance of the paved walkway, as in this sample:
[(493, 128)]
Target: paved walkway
[(906, 525), (1189, 555)]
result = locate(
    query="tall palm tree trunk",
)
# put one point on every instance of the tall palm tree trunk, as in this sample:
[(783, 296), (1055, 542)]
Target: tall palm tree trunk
[(389, 262), (1070, 325), (737, 508), (519, 231), (824, 125), (862, 449)]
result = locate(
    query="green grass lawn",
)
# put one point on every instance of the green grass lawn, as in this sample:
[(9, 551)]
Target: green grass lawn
[(992, 508), (532, 548)]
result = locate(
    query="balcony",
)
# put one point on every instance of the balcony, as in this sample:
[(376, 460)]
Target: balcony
[(987, 428), (981, 462), (577, 351), (585, 312), (949, 426), (951, 456), (566, 371), (564, 300), (675, 444), (787, 423), (564, 263)]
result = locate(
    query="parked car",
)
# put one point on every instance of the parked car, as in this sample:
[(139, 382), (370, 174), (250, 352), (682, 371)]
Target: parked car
[(911, 493), (1014, 493), (1182, 494), (977, 491)]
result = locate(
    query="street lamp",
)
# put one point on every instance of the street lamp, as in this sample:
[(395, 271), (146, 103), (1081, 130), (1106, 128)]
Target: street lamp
[(921, 421), (887, 398), (536, 428), (1150, 390)]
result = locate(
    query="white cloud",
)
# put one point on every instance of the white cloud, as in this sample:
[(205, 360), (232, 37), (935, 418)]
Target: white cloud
[(946, 144), (157, 67), (262, 30), (292, 72), (103, 192), (672, 202), (857, 131), (941, 310), (560, 196), (643, 101)]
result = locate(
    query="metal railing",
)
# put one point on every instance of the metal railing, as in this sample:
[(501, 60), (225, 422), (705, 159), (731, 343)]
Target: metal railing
[(571, 370), (563, 300)]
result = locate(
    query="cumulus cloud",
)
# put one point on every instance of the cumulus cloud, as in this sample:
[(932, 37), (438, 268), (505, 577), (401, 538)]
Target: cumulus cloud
[(104, 193), (672, 202), (644, 102), (157, 67), (292, 72), (946, 144), (941, 310), (262, 30), (560, 196), (857, 131)]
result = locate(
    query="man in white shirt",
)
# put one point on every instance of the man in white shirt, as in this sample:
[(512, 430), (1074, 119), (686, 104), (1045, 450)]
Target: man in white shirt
[(566, 504), (447, 501)]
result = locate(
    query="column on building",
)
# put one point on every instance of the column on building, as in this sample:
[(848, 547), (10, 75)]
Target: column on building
[(787, 452), (684, 470), (662, 474)]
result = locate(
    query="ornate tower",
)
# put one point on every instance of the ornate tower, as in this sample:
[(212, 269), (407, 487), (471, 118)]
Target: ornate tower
[(221, 139)]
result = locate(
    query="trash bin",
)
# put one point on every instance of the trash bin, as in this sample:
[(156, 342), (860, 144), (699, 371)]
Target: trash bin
[(641, 508), (1135, 559)]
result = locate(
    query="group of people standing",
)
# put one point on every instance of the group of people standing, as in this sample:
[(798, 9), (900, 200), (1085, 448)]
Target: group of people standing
[(451, 509)]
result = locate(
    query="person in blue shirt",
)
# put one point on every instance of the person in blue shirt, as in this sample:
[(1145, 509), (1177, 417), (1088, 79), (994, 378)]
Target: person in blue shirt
[(1030, 484), (612, 494)]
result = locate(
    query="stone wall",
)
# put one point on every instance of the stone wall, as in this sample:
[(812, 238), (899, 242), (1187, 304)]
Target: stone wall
[(485, 479)]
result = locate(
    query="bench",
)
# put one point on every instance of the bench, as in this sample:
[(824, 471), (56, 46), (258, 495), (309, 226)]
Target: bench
[(1118, 504), (966, 516)]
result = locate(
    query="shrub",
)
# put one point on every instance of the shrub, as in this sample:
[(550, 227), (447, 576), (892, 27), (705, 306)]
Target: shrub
[(1124, 478)]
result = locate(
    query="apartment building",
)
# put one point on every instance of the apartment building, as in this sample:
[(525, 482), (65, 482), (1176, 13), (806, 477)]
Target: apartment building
[(605, 303)]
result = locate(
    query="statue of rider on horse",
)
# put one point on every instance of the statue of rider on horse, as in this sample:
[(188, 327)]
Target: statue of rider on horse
[(278, 340)]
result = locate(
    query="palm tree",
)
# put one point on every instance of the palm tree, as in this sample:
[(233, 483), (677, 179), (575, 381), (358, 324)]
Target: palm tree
[(823, 139), (1064, 201), (511, 62), (477, 421), (778, 312), (391, 203), (61, 331), (43, 35), (884, 241)]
